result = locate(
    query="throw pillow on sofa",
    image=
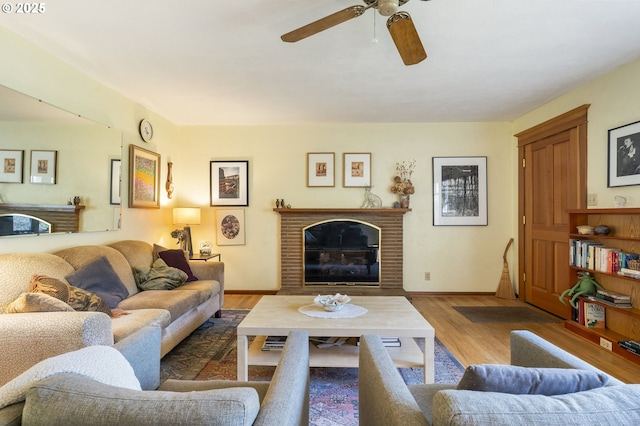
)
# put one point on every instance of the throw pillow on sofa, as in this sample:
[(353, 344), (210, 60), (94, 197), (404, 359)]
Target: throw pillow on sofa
[(37, 302), (159, 276), (523, 380), (177, 259), (77, 298), (100, 278)]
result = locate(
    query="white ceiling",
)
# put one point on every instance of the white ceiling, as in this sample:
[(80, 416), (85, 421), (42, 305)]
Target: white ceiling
[(212, 62)]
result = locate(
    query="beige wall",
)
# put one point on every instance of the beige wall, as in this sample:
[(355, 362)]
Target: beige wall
[(459, 258)]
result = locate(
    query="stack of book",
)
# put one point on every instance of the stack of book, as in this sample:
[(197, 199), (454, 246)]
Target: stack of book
[(388, 341), (632, 273), (274, 343), (613, 298), (630, 345)]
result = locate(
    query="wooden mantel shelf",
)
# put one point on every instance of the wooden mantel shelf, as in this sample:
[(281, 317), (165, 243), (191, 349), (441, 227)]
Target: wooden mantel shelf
[(40, 207), (339, 210)]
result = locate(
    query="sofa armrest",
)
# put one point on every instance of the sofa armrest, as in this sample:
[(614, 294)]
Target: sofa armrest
[(287, 400), (210, 270), (28, 338), (531, 350), (384, 398), (142, 350)]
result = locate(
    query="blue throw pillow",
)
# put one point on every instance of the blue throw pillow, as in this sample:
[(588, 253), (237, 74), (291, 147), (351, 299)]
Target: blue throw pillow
[(100, 278), (523, 380)]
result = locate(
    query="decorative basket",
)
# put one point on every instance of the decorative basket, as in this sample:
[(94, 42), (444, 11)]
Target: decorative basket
[(634, 264)]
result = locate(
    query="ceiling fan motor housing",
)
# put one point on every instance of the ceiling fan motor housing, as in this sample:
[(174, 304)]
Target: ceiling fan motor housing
[(387, 7)]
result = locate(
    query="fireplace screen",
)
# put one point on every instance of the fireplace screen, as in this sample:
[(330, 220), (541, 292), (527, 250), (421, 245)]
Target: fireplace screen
[(342, 252)]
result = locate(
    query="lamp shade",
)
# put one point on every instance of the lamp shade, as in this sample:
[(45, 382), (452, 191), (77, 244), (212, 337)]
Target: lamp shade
[(186, 216)]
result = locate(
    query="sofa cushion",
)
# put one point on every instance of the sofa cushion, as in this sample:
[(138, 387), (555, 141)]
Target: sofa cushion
[(159, 276), (77, 298), (176, 259), (37, 302), (127, 325), (523, 380), (100, 278), (79, 256), (62, 398), (609, 405), (176, 302)]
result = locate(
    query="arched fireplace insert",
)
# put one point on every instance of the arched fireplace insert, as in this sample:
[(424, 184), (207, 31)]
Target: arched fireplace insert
[(342, 251)]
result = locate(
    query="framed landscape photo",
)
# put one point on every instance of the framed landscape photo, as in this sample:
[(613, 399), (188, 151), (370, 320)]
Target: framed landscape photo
[(116, 166), (459, 191), (11, 165), (357, 169), (43, 167), (321, 169), (230, 183), (624, 155), (230, 227), (144, 178)]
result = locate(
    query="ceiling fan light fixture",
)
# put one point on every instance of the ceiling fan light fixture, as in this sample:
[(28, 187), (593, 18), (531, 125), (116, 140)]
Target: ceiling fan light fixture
[(387, 7)]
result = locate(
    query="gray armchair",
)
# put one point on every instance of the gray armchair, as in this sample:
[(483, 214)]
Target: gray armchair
[(71, 399)]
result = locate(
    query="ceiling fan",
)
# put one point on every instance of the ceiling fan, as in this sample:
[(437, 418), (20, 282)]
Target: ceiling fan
[(400, 26)]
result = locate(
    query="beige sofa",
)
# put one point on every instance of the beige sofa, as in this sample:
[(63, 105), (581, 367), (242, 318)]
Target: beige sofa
[(156, 320)]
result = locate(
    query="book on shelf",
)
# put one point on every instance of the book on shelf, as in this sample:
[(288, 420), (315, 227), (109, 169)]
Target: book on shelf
[(274, 343), (632, 273), (630, 345), (623, 305), (613, 296), (389, 342), (594, 315)]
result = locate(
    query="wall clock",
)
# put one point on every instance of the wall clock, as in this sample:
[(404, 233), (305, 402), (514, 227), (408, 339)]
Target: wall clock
[(146, 130)]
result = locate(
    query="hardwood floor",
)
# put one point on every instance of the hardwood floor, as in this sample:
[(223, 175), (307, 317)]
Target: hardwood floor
[(475, 343)]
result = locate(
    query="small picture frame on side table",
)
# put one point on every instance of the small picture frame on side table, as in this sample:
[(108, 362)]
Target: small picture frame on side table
[(624, 155), (11, 165), (43, 167), (321, 169), (357, 169)]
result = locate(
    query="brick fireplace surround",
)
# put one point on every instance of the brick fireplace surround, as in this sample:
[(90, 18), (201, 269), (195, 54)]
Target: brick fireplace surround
[(389, 220)]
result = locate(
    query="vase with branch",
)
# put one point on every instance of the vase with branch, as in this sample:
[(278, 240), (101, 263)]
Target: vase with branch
[(402, 184), (181, 236)]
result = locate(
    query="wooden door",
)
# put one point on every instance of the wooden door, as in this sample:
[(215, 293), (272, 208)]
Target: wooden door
[(552, 180)]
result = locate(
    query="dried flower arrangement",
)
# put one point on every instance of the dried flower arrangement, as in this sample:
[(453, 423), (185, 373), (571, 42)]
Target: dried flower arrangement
[(181, 235), (402, 181)]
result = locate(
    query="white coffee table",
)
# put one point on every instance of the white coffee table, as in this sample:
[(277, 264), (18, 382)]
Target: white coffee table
[(392, 316)]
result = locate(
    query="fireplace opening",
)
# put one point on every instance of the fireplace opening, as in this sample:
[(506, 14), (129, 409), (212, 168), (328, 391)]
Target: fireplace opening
[(341, 251)]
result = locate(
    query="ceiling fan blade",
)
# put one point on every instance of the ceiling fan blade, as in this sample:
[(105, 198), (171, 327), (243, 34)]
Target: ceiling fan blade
[(406, 38), (324, 23)]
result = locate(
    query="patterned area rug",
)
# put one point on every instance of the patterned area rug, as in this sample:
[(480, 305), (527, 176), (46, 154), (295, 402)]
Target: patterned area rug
[(481, 314), (210, 353)]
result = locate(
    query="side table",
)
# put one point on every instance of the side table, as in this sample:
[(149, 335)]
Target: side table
[(205, 257)]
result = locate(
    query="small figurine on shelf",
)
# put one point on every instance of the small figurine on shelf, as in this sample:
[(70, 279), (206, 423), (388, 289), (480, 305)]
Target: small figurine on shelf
[(585, 286)]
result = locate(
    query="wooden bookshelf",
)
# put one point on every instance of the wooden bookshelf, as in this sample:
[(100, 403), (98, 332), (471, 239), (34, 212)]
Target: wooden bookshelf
[(621, 323)]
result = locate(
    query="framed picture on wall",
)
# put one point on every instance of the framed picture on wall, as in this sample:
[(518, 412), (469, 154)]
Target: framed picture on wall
[(43, 167), (230, 227), (321, 169), (459, 191), (624, 155), (229, 183), (11, 165), (357, 169), (114, 186), (144, 178)]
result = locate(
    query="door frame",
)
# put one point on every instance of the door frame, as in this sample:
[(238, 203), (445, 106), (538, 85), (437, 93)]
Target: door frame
[(574, 119)]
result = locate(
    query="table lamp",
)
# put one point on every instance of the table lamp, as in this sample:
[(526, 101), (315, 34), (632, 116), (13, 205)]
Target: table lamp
[(187, 216)]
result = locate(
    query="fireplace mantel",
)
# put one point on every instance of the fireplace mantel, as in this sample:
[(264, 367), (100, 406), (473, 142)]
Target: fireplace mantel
[(341, 210), (293, 221)]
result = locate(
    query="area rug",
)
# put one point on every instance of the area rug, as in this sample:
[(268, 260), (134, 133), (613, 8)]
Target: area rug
[(210, 353), (515, 314)]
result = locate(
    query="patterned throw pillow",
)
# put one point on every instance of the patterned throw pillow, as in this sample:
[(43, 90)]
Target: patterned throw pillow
[(77, 298)]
